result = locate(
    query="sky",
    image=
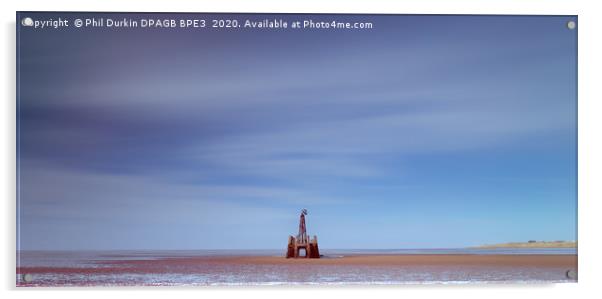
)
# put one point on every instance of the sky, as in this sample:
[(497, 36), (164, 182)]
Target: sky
[(423, 132)]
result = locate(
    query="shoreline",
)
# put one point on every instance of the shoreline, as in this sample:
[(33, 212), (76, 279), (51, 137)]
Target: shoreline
[(567, 261), (533, 245)]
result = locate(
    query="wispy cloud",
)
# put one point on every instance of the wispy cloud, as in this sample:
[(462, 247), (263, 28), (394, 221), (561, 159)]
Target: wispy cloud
[(149, 142)]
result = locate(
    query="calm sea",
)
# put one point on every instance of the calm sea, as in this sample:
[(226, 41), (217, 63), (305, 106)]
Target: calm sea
[(95, 268)]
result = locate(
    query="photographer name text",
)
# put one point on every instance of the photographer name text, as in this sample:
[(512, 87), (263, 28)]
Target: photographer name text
[(171, 23)]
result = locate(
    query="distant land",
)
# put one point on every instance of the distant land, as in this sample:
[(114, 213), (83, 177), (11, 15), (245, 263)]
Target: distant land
[(533, 244)]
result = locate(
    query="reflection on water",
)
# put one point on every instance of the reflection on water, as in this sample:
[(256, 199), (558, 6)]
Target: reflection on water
[(459, 251), (96, 268)]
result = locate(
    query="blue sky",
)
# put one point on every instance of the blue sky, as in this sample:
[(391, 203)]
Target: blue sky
[(426, 131)]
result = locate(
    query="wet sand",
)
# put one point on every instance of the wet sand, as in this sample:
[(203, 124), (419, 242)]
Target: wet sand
[(425, 260), (182, 264)]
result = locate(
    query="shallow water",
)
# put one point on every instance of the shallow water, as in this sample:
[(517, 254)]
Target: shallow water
[(97, 268)]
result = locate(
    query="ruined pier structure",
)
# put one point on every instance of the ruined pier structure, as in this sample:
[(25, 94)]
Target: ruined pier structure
[(302, 243)]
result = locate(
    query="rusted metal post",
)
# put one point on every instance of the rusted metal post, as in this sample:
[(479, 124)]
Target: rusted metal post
[(302, 242)]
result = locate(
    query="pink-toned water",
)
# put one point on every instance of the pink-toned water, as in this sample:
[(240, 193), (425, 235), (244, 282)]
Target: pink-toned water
[(130, 268)]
